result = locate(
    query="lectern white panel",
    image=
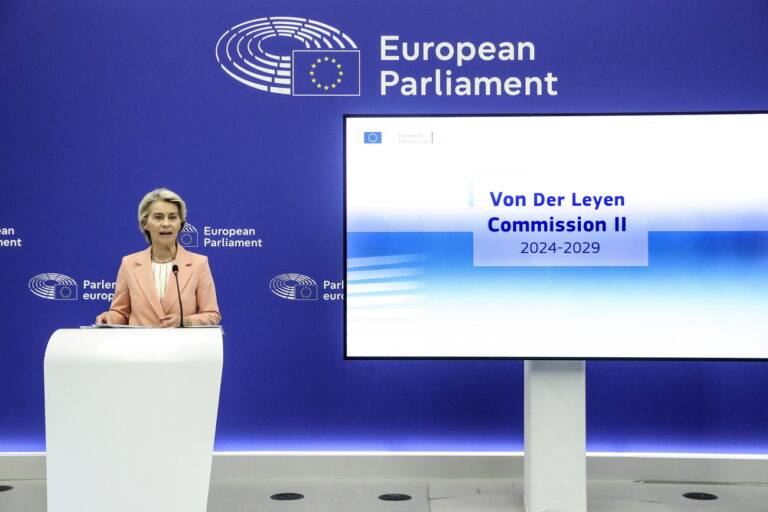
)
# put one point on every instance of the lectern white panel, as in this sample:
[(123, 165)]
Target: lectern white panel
[(130, 418)]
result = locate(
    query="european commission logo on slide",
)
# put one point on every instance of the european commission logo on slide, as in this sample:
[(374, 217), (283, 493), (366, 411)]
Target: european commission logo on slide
[(372, 137), (53, 286), (263, 54), (294, 287)]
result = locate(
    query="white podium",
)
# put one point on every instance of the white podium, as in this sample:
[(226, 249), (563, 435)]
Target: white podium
[(130, 418)]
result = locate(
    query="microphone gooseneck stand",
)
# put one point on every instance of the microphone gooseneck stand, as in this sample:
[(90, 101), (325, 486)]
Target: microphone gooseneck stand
[(175, 270)]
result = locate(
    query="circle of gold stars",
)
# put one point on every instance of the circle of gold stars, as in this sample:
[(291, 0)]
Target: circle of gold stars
[(336, 67)]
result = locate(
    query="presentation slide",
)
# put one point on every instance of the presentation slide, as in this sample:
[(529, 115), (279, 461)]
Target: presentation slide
[(557, 236)]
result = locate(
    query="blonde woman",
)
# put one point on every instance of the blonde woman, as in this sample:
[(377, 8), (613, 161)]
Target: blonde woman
[(145, 293)]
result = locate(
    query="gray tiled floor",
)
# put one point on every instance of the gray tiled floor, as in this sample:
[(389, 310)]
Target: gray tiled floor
[(234, 495), (319, 496)]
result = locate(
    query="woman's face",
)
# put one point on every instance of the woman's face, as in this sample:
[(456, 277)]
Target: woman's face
[(163, 222)]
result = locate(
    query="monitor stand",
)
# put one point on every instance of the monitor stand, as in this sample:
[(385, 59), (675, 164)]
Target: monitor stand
[(555, 474)]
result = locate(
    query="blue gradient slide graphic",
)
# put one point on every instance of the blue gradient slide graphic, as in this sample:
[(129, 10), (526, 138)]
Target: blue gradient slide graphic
[(438, 304)]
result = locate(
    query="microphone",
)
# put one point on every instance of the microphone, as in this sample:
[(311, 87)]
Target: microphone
[(175, 270)]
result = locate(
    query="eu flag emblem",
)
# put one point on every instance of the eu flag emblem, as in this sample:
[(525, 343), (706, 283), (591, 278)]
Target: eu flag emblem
[(305, 292), (65, 292), (326, 72), (187, 238)]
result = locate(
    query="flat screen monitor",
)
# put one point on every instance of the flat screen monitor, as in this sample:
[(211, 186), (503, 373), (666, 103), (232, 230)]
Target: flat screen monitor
[(621, 236)]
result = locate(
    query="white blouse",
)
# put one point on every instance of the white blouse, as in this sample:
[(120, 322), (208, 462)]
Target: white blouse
[(162, 272)]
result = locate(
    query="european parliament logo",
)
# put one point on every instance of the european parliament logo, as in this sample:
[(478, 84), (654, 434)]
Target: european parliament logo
[(294, 287), (53, 286), (258, 53), (188, 236)]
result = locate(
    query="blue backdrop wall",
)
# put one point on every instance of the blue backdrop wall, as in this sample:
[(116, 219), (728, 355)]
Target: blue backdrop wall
[(102, 102)]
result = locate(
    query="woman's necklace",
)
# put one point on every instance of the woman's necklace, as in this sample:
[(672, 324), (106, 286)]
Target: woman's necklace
[(152, 255)]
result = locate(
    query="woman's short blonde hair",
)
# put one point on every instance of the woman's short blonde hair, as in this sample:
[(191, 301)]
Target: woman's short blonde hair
[(160, 194)]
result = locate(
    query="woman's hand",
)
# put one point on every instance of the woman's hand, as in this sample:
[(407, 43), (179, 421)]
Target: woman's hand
[(103, 318), (172, 321)]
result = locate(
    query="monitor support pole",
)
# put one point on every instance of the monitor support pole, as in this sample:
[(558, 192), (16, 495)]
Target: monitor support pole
[(555, 475)]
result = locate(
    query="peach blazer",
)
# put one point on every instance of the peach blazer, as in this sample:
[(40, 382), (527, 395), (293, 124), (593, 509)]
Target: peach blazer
[(136, 301)]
